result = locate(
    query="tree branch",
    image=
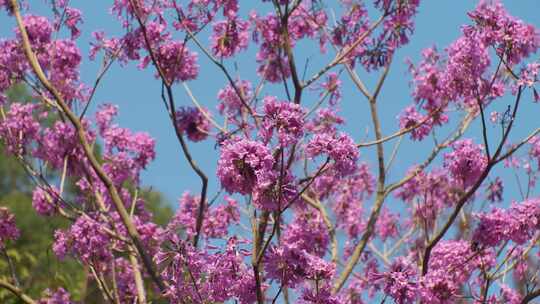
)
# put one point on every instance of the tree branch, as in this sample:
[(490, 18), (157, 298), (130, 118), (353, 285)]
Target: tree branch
[(17, 292)]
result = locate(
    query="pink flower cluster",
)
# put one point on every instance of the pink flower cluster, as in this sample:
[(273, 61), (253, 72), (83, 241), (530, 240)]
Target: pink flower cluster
[(45, 201), (285, 118), (127, 153), (217, 221), (8, 230), (19, 127), (231, 99), (218, 277), (243, 165), (229, 37), (339, 147), (87, 239), (518, 223), (466, 162)]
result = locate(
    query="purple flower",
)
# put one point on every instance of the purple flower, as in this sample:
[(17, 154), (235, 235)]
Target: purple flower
[(126, 153), (63, 61), (350, 27), (230, 102), (451, 264), (60, 296), (177, 62), (494, 191), (244, 165), (326, 121), (86, 239), (387, 225), (399, 281), (61, 141), (307, 232), (45, 202), (73, 17), (340, 148), (8, 230), (105, 116), (287, 265), (510, 36), (322, 294), (286, 118), (39, 30), (509, 295), (466, 162), (216, 221), (410, 118), (229, 37), (193, 122), (19, 128), (518, 223), (332, 87), (277, 193)]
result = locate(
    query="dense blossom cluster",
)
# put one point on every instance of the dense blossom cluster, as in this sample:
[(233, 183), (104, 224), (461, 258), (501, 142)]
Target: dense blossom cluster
[(87, 239), (45, 201), (518, 223), (243, 165), (8, 230), (229, 37), (410, 118), (176, 62), (466, 162), (217, 222), (60, 296), (339, 147), (284, 118), (428, 193), (19, 127), (295, 213)]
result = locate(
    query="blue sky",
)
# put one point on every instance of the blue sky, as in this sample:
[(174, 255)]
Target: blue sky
[(138, 93)]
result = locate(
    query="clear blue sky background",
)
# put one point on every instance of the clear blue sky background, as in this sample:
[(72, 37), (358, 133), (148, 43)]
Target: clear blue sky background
[(138, 93)]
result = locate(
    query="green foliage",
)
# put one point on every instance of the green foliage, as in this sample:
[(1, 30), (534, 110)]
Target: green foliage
[(35, 264)]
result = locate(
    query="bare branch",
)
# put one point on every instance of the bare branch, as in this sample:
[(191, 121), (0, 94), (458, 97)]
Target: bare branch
[(17, 292)]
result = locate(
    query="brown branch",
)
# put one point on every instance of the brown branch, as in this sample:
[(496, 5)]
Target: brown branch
[(399, 132), (172, 114), (11, 267), (17, 292), (344, 52), (530, 296), (139, 283), (456, 135), (381, 192), (389, 189), (298, 87), (519, 145), (258, 229), (220, 65)]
